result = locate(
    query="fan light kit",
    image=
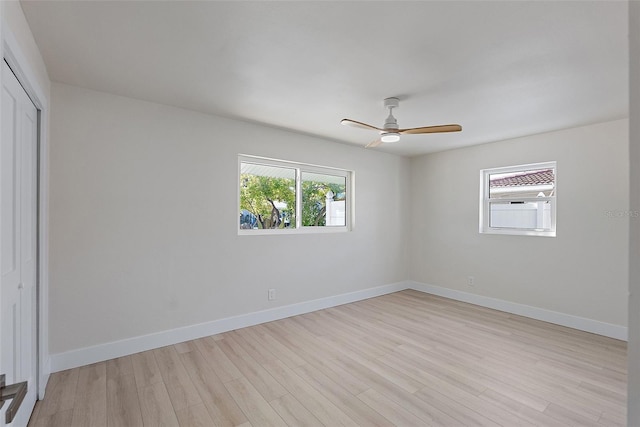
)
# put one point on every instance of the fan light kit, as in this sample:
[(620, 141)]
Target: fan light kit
[(390, 137), (390, 132)]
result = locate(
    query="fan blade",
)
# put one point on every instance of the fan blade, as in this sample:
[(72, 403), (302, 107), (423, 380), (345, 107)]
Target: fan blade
[(356, 124), (431, 129), (373, 144)]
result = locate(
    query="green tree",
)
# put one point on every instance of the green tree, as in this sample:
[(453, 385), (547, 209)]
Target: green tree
[(259, 195), (314, 195)]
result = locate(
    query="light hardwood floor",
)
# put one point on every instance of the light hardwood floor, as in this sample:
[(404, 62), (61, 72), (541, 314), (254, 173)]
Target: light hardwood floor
[(404, 359)]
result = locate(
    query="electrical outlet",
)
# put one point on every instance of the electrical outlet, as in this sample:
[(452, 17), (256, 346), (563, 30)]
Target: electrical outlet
[(471, 281), (272, 294)]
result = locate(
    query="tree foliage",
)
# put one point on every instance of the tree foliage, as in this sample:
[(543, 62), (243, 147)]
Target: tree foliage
[(272, 200), (314, 196), (260, 194)]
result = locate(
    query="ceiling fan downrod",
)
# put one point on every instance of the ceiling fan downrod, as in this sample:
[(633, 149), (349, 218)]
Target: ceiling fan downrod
[(391, 124)]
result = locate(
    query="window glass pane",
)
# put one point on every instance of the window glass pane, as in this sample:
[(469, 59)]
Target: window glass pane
[(530, 183), (520, 215), (267, 196), (323, 200), (519, 200)]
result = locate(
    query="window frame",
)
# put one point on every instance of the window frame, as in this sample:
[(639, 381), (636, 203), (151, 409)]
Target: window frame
[(485, 201), (300, 168)]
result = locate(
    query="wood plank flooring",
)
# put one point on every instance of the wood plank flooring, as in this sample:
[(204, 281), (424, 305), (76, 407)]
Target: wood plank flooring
[(404, 359)]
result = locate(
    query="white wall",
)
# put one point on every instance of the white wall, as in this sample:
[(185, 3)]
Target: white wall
[(144, 220), (582, 272), (633, 356)]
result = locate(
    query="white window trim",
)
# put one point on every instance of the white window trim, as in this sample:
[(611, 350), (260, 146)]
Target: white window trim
[(485, 228), (300, 168)]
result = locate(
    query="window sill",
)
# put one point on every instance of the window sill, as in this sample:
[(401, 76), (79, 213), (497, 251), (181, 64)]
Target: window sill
[(304, 230), (514, 232)]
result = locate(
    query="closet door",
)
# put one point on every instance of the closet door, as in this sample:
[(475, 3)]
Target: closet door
[(18, 235)]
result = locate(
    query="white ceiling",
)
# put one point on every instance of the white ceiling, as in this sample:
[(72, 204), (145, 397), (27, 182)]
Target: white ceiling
[(500, 69)]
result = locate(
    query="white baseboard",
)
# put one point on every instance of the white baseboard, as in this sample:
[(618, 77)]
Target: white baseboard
[(101, 352), (575, 322)]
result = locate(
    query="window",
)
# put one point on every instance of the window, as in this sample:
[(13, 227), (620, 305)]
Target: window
[(277, 196), (519, 200)]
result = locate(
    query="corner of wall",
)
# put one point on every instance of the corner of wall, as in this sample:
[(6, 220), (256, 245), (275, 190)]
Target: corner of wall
[(633, 405), (562, 319)]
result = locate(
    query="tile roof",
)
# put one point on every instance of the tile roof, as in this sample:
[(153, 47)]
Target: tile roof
[(539, 177)]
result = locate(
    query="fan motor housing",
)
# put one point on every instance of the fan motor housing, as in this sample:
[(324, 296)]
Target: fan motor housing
[(391, 123)]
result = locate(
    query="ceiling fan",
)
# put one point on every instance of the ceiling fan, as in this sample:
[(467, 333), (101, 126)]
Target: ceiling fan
[(391, 132)]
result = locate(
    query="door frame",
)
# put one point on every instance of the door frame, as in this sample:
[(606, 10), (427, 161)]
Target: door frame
[(19, 64)]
